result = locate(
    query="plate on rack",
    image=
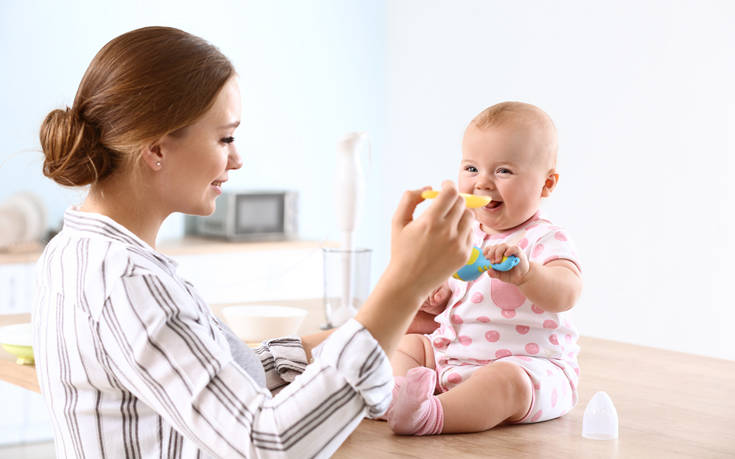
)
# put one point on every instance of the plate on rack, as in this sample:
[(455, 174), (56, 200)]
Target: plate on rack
[(18, 340)]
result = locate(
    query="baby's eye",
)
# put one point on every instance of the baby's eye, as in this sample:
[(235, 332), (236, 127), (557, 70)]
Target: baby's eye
[(470, 169), (227, 139), (502, 171)]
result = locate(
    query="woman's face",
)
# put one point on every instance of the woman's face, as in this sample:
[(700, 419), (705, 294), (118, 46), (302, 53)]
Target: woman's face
[(195, 160)]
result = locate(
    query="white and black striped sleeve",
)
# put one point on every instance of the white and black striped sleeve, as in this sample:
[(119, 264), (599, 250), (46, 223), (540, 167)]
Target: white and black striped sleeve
[(168, 356)]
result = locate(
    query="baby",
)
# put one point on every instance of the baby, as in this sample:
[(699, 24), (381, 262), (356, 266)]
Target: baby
[(504, 350)]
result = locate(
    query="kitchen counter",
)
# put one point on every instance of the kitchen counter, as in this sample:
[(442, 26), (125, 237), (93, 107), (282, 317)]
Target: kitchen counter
[(30, 252), (670, 404)]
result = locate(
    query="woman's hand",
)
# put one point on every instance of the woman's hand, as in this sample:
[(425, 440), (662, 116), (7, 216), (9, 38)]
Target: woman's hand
[(424, 253), (427, 250)]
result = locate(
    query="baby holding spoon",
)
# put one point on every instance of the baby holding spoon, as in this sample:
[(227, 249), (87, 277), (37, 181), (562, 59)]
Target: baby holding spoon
[(504, 350)]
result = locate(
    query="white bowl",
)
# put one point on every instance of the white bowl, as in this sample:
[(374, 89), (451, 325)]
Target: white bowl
[(259, 322)]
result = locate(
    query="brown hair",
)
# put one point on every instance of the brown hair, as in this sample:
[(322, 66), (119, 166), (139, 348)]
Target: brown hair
[(140, 86)]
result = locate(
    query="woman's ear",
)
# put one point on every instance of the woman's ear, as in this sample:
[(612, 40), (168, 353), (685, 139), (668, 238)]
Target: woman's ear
[(152, 156), (552, 178)]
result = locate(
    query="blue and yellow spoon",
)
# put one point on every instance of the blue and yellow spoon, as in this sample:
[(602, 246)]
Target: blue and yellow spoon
[(478, 264)]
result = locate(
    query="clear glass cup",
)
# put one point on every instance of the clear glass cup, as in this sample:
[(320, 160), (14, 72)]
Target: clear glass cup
[(346, 283)]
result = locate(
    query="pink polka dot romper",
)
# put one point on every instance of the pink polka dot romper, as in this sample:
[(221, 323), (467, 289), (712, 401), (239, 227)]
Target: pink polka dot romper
[(487, 320)]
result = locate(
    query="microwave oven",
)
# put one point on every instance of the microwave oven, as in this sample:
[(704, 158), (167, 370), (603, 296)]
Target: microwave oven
[(249, 216)]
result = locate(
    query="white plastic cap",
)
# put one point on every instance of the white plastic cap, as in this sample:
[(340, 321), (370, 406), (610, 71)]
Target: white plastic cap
[(600, 421)]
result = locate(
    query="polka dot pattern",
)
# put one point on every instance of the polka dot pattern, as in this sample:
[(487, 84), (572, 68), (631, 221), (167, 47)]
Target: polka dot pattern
[(489, 319), (500, 353), (441, 343), (492, 336), (505, 295)]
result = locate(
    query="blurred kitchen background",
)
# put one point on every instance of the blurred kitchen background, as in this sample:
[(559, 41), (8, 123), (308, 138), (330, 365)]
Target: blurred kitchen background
[(641, 91)]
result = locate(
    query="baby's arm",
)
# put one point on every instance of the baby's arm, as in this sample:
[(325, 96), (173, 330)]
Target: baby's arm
[(553, 287), (423, 321), (437, 301)]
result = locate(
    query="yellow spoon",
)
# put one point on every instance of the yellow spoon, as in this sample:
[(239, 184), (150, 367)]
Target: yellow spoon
[(471, 200)]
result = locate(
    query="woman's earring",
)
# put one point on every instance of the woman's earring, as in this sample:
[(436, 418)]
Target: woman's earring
[(158, 163)]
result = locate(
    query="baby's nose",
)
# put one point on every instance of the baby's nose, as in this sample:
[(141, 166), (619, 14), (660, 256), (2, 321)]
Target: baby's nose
[(484, 182)]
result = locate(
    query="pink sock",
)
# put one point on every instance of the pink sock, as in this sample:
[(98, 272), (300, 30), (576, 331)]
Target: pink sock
[(416, 411), (396, 387)]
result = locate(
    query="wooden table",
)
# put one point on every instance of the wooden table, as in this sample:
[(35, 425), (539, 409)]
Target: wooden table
[(669, 404)]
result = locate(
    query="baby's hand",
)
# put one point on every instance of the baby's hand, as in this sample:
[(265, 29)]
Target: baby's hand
[(495, 255), (437, 301)]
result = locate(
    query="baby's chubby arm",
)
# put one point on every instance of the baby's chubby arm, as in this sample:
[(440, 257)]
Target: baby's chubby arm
[(423, 321), (553, 287)]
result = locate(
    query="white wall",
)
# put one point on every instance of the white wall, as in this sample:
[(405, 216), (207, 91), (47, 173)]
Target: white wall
[(310, 71), (642, 94), (640, 91)]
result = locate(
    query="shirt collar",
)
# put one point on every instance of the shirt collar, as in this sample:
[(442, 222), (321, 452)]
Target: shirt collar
[(100, 226), (479, 234)]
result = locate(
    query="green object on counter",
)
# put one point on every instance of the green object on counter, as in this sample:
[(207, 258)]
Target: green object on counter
[(23, 353)]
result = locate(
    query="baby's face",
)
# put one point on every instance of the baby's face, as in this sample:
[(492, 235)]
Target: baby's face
[(509, 163)]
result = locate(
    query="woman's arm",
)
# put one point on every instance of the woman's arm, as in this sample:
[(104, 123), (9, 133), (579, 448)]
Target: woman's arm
[(311, 341), (178, 364), (164, 353), (424, 253)]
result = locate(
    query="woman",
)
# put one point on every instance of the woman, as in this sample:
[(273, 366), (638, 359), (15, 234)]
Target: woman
[(130, 359)]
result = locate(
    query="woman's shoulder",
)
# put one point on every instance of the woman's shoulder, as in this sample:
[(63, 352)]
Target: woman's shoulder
[(99, 262)]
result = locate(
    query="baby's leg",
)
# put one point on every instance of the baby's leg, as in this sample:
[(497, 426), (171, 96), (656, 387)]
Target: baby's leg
[(414, 350), (498, 392)]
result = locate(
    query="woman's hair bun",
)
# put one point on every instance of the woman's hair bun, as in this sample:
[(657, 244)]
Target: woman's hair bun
[(73, 154)]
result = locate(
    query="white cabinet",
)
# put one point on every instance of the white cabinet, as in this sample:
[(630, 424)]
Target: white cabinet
[(16, 287), (221, 272), (255, 275)]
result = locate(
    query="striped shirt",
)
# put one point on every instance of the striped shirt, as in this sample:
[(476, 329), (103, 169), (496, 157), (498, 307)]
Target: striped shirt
[(132, 363)]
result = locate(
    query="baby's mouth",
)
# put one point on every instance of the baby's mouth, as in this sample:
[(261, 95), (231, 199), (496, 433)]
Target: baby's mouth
[(494, 204)]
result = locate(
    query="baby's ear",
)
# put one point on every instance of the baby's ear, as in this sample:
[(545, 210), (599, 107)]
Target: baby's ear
[(552, 178)]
